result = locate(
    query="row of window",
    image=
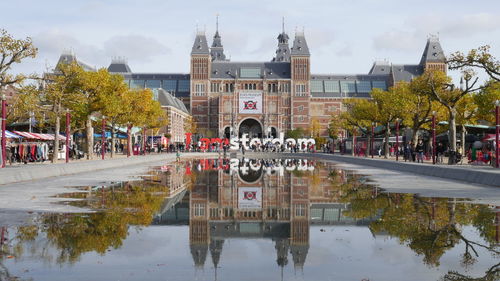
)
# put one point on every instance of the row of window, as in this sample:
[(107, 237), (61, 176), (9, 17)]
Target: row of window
[(229, 87), (167, 85), (339, 86)]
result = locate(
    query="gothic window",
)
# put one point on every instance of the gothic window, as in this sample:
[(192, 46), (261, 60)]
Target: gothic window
[(272, 88), (214, 87), (199, 210), (199, 89), (272, 107), (227, 107), (300, 90)]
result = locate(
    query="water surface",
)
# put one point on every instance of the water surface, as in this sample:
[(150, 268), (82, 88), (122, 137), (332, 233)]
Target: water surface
[(254, 220)]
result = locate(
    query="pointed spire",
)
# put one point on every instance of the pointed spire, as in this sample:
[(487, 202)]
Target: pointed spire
[(300, 47), (433, 51), (217, 23), (283, 51), (217, 50), (200, 45)]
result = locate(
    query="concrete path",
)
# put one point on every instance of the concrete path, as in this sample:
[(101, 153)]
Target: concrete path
[(29, 172), (484, 175)]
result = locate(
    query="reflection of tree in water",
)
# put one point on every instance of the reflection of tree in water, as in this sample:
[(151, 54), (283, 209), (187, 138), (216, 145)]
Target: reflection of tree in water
[(75, 234), (428, 226)]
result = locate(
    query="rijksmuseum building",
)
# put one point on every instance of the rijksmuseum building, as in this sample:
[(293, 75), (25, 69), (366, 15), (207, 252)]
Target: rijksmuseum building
[(228, 98)]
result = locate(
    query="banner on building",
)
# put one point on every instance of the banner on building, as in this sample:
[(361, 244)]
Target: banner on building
[(249, 198), (250, 102)]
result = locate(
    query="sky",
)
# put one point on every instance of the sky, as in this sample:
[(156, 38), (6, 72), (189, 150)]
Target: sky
[(344, 37)]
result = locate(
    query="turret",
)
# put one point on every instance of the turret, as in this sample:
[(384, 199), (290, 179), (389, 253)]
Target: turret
[(283, 51), (433, 57), (217, 50)]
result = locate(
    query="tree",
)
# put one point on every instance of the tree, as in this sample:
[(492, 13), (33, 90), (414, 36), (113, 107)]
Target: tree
[(360, 113), (417, 105), (315, 127), (13, 51), (439, 87), (115, 104), (389, 107), (61, 92), (27, 100), (485, 100), (190, 125), (476, 58), (467, 112)]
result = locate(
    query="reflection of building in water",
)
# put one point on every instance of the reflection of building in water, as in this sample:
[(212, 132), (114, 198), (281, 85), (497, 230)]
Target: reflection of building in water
[(257, 200), (174, 177)]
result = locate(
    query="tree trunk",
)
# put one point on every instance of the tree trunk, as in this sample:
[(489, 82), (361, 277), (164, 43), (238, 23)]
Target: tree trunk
[(452, 136), (353, 146), (386, 144), (369, 147), (463, 138), (90, 138), (414, 137), (113, 139), (55, 151)]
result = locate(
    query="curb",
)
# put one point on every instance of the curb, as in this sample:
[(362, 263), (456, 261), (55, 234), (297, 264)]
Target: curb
[(29, 173), (484, 177)]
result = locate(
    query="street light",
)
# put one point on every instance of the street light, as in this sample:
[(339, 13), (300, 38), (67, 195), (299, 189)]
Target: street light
[(103, 137), (129, 127), (397, 139), (68, 121), (4, 124), (497, 131), (434, 137), (371, 141), (353, 152)]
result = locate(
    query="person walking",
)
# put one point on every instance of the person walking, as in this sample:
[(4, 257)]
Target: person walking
[(440, 149), (419, 150)]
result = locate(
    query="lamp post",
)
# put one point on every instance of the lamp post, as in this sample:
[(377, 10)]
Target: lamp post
[(68, 120), (497, 131), (434, 137), (143, 141), (129, 126), (371, 140), (4, 121), (103, 137), (353, 152), (397, 139)]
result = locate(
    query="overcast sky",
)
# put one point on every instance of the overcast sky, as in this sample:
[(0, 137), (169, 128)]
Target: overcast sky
[(157, 35)]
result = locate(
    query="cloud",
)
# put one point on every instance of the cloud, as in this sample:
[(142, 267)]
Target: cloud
[(409, 38), (344, 51), (135, 47), (396, 40)]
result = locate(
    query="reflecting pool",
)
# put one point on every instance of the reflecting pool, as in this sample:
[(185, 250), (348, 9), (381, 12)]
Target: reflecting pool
[(254, 219)]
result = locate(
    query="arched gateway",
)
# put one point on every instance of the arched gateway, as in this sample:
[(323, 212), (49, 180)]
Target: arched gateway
[(250, 126)]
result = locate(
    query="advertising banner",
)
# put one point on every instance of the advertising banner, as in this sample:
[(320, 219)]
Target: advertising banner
[(250, 103), (249, 198)]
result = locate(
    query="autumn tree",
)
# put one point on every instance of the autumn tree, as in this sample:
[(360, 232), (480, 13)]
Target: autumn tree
[(480, 58), (389, 106), (115, 103), (440, 88), (485, 100), (13, 51), (62, 91), (361, 114), (467, 112)]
